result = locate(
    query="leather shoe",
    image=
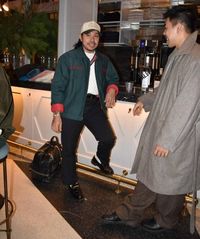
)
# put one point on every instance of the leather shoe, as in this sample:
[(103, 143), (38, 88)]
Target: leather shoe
[(152, 225), (105, 168), (76, 192), (112, 218), (1, 201)]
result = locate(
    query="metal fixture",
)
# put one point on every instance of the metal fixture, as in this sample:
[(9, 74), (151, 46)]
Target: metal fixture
[(118, 190), (116, 177)]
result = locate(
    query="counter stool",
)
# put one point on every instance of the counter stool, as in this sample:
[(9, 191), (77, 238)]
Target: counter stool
[(7, 203)]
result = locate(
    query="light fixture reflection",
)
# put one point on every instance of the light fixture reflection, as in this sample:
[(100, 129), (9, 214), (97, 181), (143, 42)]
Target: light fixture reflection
[(5, 7)]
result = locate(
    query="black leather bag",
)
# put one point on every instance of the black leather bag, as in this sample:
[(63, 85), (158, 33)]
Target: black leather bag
[(47, 160)]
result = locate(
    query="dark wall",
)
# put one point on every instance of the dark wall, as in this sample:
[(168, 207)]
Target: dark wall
[(120, 57)]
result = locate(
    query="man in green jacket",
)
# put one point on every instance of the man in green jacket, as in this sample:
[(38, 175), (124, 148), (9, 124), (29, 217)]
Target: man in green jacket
[(83, 87)]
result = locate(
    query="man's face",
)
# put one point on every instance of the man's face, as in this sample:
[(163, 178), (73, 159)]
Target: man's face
[(171, 33), (90, 40)]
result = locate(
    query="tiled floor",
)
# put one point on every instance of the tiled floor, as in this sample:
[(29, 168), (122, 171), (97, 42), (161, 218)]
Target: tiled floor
[(34, 216)]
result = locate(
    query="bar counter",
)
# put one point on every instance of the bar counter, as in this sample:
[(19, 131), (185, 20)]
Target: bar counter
[(122, 96), (32, 120)]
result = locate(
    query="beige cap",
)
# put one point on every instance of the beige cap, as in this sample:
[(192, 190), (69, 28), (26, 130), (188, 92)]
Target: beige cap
[(90, 26)]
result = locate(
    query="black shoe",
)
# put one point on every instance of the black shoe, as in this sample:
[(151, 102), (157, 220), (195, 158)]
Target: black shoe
[(1, 201), (112, 218), (76, 192), (105, 168), (152, 225)]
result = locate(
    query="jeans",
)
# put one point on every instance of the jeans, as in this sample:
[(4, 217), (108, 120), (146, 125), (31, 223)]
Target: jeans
[(97, 122)]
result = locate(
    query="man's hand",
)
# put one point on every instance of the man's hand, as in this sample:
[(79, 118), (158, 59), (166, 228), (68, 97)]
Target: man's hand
[(138, 108), (56, 124), (159, 151), (110, 98)]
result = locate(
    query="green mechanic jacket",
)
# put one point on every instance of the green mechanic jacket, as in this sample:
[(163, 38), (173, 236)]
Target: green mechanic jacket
[(70, 83), (6, 108)]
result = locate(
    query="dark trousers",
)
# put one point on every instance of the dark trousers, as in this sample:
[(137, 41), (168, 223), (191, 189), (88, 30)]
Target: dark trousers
[(97, 122), (168, 207)]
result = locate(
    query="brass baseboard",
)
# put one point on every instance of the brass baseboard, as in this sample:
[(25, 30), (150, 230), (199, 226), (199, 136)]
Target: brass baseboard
[(118, 178)]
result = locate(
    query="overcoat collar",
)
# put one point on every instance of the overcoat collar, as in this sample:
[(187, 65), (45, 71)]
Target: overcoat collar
[(187, 45)]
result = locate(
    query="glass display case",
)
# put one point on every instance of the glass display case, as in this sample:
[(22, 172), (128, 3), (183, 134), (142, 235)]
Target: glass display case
[(109, 17), (138, 25), (128, 20), (125, 21)]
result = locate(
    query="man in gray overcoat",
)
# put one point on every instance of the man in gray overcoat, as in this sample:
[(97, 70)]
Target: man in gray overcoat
[(166, 161)]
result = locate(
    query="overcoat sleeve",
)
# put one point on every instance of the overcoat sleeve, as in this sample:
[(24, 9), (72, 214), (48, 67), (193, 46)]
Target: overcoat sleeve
[(148, 100)]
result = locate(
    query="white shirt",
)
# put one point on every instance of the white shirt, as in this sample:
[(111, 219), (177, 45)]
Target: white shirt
[(92, 84)]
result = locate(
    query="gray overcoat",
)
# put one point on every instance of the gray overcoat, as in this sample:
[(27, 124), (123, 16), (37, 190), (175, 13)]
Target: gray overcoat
[(174, 123)]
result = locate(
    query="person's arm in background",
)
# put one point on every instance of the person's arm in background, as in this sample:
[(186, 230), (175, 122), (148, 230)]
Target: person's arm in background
[(6, 107)]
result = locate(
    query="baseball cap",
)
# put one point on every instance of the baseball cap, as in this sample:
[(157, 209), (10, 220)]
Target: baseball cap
[(90, 26)]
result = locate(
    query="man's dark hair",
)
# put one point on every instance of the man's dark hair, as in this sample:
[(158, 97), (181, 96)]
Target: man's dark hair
[(78, 44), (185, 15)]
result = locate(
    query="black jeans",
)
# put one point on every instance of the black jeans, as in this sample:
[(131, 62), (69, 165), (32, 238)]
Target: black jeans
[(97, 122)]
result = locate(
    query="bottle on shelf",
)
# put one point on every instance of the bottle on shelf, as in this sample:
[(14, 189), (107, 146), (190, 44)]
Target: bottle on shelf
[(143, 63), (134, 66), (154, 69), (145, 73), (158, 78), (131, 69), (54, 63), (14, 62), (142, 50), (21, 58), (48, 63), (6, 57), (42, 60), (155, 76)]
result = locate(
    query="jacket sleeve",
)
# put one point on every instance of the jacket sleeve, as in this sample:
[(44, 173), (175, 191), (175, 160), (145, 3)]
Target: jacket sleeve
[(58, 85), (112, 77)]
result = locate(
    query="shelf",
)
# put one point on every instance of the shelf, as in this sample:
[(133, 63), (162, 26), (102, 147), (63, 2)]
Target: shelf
[(112, 44), (145, 23), (123, 21), (115, 23)]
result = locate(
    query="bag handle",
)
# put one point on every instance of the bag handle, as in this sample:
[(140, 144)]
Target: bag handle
[(54, 139)]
